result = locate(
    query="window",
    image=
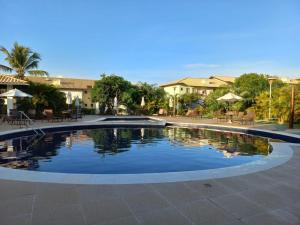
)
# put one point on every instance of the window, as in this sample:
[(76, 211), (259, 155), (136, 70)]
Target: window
[(85, 92), (85, 105), (92, 105), (187, 90), (181, 89)]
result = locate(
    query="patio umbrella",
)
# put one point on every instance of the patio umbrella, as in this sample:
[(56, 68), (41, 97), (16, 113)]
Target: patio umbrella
[(123, 107), (171, 102), (13, 93), (230, 97), (69, 98), (116, 102), (77, 104), (143, 102)]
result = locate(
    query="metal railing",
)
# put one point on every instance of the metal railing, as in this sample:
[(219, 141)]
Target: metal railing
[(24, 117)]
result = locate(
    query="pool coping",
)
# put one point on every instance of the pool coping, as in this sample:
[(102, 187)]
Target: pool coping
[(281, 153)]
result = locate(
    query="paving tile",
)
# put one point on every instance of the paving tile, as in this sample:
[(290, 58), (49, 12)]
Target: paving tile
[(57, 214), (13, 189), (57, 194), (285, 215), (95, 192), (105, 210), (279, 174), (266, 219), (238, 206), (264, 198), (128, 189), (257, 180), (289, 193), (235, 184), (169, 216), (146, 201), (294, 209), (123, 221), (16, 220), (15, 207), (206, 213), (177, 193), (209, 188)]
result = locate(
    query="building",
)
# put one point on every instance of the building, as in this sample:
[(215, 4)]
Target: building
[(8, 82), (80, 88), (202, 86)]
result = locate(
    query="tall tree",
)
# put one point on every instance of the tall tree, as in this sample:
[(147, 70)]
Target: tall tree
[(109, 87), (250, 85), (22, 60)]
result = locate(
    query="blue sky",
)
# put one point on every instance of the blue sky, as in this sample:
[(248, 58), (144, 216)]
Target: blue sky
[(157, 41)]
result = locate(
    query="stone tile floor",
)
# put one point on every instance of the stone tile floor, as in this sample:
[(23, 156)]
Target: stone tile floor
[(266, 198)]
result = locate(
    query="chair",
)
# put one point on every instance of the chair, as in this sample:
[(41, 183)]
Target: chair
[(76, 114), (48, 113), (220, 116), (240, 117), (249, 118)]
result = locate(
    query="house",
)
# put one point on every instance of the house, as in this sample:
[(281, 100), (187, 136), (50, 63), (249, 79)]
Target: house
[(202, 86), (8, 82), (80, 88)]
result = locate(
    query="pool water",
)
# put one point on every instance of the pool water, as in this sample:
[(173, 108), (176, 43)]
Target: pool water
[(131, 151)]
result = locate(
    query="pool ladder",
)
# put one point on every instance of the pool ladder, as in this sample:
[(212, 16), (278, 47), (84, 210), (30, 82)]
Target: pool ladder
[(36, 130)]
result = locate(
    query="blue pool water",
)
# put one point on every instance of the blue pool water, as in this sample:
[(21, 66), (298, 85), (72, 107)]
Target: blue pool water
[(127, 151)]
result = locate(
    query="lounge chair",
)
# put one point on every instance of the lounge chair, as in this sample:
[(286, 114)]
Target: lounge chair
[(48, 113), (240, 117), (219, 116), (249, 118)]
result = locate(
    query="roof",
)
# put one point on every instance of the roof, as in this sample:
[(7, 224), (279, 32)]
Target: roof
[(64, 83), (196, 82), (224, 78), (11, 80)]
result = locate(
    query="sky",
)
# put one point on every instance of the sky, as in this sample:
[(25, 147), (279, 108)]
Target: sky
[(156, 41)]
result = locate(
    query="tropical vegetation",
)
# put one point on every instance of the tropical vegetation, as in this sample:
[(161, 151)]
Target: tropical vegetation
[(44, 97), (130, 95), (22, 60)]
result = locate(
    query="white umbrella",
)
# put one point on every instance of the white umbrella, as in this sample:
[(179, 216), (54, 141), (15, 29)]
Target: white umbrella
[(171, 102), (116, 102), (143, 102), (77, 104), (230, 97), (69, 98), (123, 107), (15, 93)]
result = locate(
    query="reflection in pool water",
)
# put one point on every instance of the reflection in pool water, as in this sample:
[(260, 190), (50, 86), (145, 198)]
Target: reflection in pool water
[(125, 151)]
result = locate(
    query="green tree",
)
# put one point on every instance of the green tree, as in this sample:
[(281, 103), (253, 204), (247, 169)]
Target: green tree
[(281, 98), (44, 96), (155, 97), (250, 85), (107, 88), (211, 102), (22, 60)]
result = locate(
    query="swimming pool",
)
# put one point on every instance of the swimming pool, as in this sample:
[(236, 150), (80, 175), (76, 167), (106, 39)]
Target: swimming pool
[(132, 150)]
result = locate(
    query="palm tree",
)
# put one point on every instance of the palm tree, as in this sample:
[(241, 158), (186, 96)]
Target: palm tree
[(22, 60)]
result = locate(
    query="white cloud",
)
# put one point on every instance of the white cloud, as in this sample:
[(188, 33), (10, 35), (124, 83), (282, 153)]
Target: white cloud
[(200, 65)]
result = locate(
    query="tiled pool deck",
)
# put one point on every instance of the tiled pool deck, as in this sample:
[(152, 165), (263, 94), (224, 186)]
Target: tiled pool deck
[(267, 197)]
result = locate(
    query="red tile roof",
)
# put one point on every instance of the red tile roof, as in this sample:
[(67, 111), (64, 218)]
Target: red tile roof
[(11, 80)]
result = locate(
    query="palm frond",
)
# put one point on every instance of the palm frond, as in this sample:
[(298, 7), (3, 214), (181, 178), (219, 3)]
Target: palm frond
[(38, 73), (5, 68), (32, 61), (5, 51)]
